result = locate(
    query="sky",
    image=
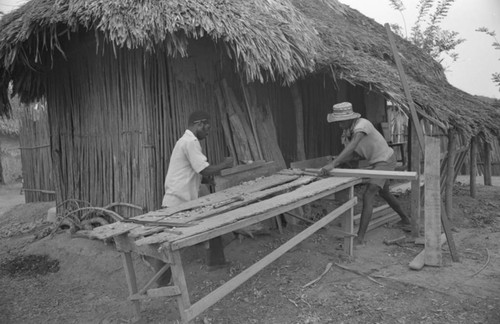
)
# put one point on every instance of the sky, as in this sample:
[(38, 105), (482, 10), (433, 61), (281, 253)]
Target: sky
[(477, 60)]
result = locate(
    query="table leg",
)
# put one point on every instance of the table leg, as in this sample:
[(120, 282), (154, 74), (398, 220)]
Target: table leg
[(128, 266), (347, 219), (180, 281), (348, 226), (215, 252)]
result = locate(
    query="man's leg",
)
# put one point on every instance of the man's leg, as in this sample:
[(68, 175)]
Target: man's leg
[(366, 213), (394, 203), (215, 254)]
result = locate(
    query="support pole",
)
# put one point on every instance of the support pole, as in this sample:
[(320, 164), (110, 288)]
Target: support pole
[(473, 167), (433, 256), (487, 163), (299, 121), (450, 172), (406, 88), (415, 184)]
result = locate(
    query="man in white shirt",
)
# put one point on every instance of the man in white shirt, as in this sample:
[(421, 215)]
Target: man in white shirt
[(361, 137), (188, 165)]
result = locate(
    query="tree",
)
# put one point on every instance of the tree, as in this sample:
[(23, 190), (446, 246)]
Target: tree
[(426, 32), (495, 76)]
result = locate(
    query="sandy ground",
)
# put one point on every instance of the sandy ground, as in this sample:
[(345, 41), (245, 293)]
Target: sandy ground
[(378, 287)]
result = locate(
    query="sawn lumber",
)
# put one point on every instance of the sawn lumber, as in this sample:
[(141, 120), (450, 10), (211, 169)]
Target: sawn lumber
[(362, 173)]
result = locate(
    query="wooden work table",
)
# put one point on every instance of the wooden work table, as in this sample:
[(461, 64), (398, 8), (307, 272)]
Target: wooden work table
[(163, 233)]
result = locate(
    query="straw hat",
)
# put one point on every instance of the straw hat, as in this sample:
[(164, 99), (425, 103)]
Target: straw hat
[(342, 111)]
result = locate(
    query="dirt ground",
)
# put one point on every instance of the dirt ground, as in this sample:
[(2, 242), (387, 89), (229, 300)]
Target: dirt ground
[(75, 280)]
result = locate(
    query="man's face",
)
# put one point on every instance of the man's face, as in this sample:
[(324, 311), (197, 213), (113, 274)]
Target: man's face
[(202, 129), (345, 124)]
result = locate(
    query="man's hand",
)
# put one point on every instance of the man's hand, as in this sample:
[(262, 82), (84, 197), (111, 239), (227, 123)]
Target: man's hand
[(209, 180), (324, 172)]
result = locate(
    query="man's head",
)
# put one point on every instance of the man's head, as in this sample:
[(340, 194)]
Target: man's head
[(199, 124), (343, 115)]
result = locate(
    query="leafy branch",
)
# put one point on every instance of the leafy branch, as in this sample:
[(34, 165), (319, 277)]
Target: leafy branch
[(426, 32), (495, 76)]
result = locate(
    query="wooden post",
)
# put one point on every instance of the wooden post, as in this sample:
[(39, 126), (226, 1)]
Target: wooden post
[(179, 279), (487, 163), (432, 195), (418, 130), (415, 184), (450, 172), (473, 167), (299, 121), (128, 266)]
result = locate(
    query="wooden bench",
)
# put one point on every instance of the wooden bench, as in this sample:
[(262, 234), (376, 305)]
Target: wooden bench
[(163, 233)]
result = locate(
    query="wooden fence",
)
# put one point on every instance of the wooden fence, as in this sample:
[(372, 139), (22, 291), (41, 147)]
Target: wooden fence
[(34, 140)]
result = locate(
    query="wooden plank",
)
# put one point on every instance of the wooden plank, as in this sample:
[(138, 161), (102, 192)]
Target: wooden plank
[(125, 244), (128, 266), (230, 221), (418, 262), (169, 291), (240, 122), (312, 163), (113, 229), (242, 168), (217, 197), (225, 123), (241, 278), (415, 198), (390, 217), (267, 131), (362, 173), (449, 235), (406, 87), (119, 228), (432, 207), (251, 116), (267, 169), (246, 199)]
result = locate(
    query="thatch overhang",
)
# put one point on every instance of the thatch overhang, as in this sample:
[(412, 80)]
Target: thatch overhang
[(280, 40), (359, 52), (266, 39)]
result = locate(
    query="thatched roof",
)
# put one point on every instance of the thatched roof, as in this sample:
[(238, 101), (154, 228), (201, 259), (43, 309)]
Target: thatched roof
[(268, 39)]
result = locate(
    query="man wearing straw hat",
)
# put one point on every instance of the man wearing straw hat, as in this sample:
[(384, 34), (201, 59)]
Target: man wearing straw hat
[(187, 168), (360, 137)]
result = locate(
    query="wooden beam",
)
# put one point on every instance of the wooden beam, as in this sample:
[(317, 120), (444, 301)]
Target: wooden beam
[(418, 262), (241, 278), (432, 208), (362, 173), (299, 120), (415, 198), (449, 235), (169, 291), (406, 88), (242, 168), (473, 167), (312, 163), (251, 116), (128, 266), (487, 163), (450, 172)]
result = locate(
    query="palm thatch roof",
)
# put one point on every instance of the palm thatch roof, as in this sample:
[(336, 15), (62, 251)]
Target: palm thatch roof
[(280, 40)]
